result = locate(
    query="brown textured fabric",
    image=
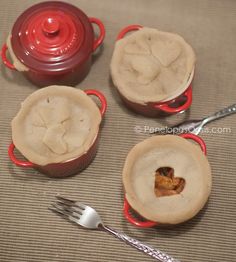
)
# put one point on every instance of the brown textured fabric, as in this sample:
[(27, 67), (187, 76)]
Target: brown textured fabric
[(29, 232)]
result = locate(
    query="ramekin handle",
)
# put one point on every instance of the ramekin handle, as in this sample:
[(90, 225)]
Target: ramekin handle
[(132, 220), (17, 161), (98, 41), (197, 139), (101, 97), (171, 110), (127, 29), (5, 60)]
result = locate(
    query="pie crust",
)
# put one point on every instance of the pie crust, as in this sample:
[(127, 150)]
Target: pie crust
[(152, 66), (16, 62), (55, 124), (188, 162)]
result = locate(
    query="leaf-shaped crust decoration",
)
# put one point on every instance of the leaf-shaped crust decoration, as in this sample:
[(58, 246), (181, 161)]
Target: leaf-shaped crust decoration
[(166, 52), (53, 138), (147, 69)]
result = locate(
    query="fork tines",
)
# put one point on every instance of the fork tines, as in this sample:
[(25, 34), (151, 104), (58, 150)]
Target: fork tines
[(68, 209)]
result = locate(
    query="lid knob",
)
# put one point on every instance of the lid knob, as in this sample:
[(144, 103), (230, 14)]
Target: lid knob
[(50, 26)]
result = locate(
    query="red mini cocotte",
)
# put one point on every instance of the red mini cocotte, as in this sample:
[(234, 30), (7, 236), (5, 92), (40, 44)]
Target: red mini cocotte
[(176, 104), (71, 166), (52, 43), (144, 223)]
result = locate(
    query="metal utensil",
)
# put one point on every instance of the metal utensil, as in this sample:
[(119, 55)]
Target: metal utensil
[(195, 126), (89, 218)]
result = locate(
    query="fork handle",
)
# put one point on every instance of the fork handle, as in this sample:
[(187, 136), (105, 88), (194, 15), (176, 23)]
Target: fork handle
[(155, 253), (224, 112)]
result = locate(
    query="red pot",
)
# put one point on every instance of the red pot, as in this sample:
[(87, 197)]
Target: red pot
[(147, 223), (174, 105), (55, 42), (69, 167)]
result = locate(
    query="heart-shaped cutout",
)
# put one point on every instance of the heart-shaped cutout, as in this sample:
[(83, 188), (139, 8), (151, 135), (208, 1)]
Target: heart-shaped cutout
[(166, 184)]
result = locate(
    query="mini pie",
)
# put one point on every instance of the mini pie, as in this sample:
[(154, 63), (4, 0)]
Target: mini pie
[(192, 182), (55, 124), (152, 66)]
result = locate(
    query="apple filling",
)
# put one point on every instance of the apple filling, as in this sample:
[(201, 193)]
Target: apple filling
[(166, 184)]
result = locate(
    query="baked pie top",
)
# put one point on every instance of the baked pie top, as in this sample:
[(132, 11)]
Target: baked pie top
[(55, 124), (176, 196), (151, 66)]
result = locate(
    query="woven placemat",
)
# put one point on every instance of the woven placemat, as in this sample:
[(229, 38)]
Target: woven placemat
[(29, 232)]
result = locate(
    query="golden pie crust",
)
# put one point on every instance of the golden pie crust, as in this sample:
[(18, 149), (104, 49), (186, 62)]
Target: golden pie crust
[(55, 124), (188, 162), (152, 66)]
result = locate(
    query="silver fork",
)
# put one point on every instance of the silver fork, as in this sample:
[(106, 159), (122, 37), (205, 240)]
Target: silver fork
[(89, 218), (195, 126)]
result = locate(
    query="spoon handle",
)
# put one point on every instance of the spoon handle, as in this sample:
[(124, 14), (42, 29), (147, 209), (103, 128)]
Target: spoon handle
[(222, 113)]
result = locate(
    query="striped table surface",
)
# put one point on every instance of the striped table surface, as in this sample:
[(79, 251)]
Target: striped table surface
[(30, 232)]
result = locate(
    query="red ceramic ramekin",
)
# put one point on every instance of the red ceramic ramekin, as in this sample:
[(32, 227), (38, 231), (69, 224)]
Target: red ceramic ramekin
[(174, 105), (54, 41), (146, 223), (69, 167)]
